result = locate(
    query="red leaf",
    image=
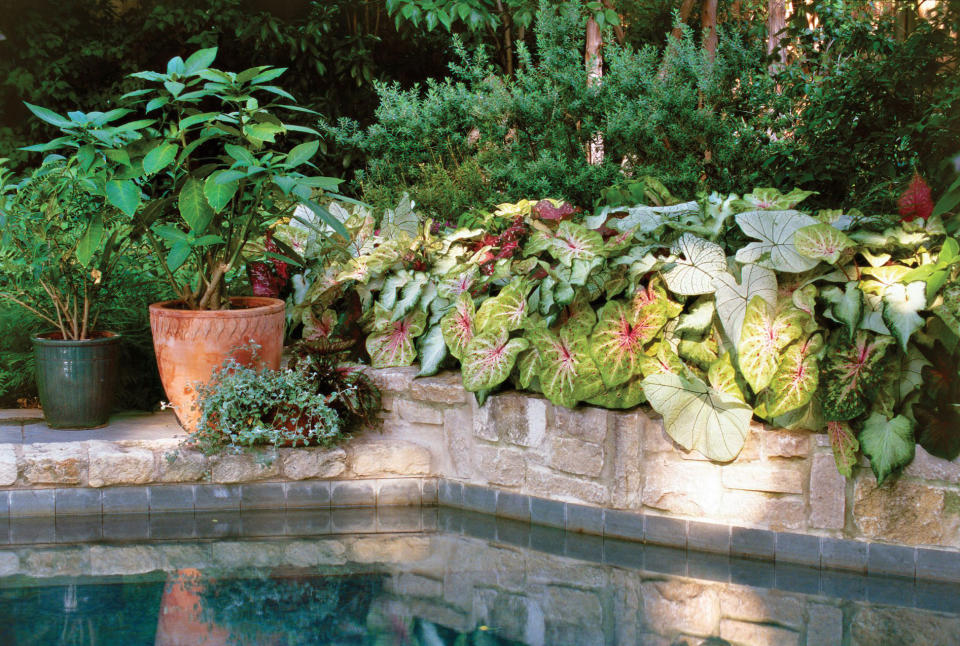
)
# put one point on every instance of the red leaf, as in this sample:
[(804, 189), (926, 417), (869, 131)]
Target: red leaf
[(545, 210), (915, 201)]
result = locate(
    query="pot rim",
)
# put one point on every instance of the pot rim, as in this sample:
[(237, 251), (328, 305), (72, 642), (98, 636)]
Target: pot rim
[(256, 306), (109, 339)]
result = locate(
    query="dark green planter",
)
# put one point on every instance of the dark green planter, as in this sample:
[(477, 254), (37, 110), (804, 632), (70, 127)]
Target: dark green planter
[(76, 380)]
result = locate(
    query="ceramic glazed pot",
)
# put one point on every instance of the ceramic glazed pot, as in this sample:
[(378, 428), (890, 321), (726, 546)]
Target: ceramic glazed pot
[(190, 344), (76, 380)]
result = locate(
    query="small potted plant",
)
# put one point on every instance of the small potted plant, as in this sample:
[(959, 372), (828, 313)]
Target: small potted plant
[(59, 248)]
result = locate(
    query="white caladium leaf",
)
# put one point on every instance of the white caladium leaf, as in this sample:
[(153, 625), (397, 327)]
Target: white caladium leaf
[(432, 351), (732, 297), (698, 263), (618, 339), (797, 378), (575, 242), (698, 417), (457, 325), (764, 335), (697, 320), (775, 231), (901, 304), (567, 372), (821, 242), (772, 199), (392, 342), (846, 306), (505, 311), (878, 279), (805, 299), (489, 358)]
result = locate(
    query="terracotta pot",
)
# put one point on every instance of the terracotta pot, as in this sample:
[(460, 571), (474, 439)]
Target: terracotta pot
[(190, 344)]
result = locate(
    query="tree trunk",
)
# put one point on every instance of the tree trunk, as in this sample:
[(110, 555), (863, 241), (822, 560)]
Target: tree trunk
[(593, 59), (708, 21), (776, 23), (685, 10)]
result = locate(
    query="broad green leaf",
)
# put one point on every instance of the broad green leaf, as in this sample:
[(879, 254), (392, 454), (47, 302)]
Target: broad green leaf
[(505, 311), (567, 373), (432, 351), (489, 358), (218, 193), (160, 157), (241, 154), (846, 306), (698, 263), (796, 380), (90, 241), (618, 339), (775, 231), (458, 325), (123, 194), (732, 297), (764, 335), (626, 395), (200, 59), (49, 116), (901, 304), (821, 242), (845, 447), (888, 443), (193, 206), (850, 373), (178, 255), (392, 342), (698, 417), (302, 153)]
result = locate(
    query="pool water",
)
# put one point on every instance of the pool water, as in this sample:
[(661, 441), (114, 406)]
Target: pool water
[(435, 578)]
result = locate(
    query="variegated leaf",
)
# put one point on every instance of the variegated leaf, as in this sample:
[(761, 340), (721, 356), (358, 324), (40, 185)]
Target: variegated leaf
[(458, 325), (617, 343), (722, 376), (432, 351), (845, 447), (846, 306), (822, 242), (505, 311), (489, 358), (796, 380), (732, 297), (626, 395), (765, 334), (567, 373), (392, 343), (698, 263), (850, 372), (775, 231), (575, 242)]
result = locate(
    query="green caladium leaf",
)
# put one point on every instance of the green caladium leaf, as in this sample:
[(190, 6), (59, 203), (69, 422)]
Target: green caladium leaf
[(432, 351), (732, 297), (901, 304), (845, 447), (846, 306), (698, 262), (888, 443), (489, 358), (698, 319), (392, 342), (618, 339), (805, 418), (411, 293), (698, 417), (765, 334), (457, 325), (775, 231), (567, 373), (698, 353), (193, 205), (391, 288), (949, 310), (575, 242), (626, 395), (505, 311), (822, 242), (805, 299), (722, 376), (849, 374), (797, 378)]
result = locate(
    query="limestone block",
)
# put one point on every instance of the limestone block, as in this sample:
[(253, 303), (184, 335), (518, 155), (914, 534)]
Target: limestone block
[(414, 585), (572, 617), (58, 561), (900, 511), (245, 467), (417, 412), (655, 438), (549, 484), (446, 388), (301, 464), (54, 463), (762, 606), (742, 632), (394, 380), (314, 553), (776, 511), (902, 627), (113, 560), (929, 467), (825, 627), (763, 477), (627, 456), (680, 606), (498, 466), (827, 493), (110, 464), (575, 456), (586, 423), (674, 485), (8, 465), (388, 457), (785, 444), (389, 549), (518, 419), (181, 465), (9, 563), (458, 429)]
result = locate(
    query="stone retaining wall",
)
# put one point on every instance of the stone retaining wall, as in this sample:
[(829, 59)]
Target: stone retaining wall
[(624, 460)]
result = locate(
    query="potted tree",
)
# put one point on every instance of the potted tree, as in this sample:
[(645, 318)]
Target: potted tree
[(216, 174), (59, 248)]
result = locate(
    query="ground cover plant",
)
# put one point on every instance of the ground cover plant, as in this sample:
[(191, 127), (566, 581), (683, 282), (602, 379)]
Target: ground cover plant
[(714, 312)]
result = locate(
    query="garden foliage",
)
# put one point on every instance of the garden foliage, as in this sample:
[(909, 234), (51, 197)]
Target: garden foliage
[(713, 311)]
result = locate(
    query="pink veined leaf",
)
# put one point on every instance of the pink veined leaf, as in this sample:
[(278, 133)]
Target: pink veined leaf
[(845, 447), (457, 325), (392, 342), (850, 374)]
